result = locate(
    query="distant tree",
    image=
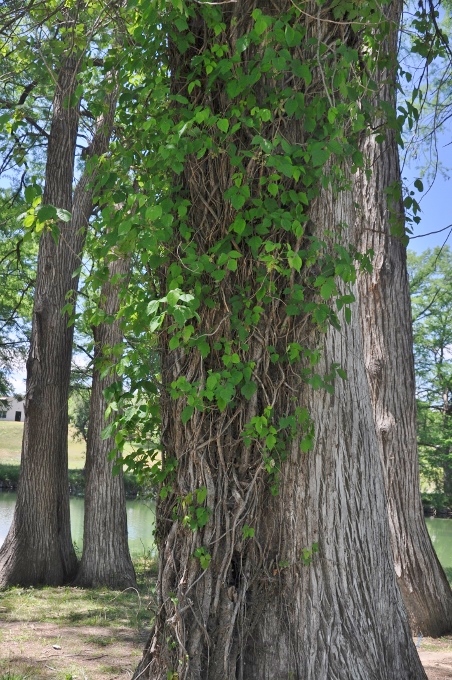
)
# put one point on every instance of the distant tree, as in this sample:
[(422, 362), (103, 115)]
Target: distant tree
[(431, 297), (79, 412), (18, 256), (38, 547)]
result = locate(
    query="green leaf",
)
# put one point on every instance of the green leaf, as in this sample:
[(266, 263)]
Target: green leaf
[(332, 114), (203, 348), (270, 441), (247, 531), (239, 225), (156, 323), (223, 124), (173, 296), (187, 413), (328, 288), (46, 212), (153, 212), (174, 342), (260, 26), (153, 307), (418, 184), (319, 155), (218, 274), (238, 200), (249, 389), (295, 261), (201, 495)]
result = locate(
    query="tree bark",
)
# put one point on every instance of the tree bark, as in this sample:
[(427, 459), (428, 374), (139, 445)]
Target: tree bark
[(385, 312), (38, 548), (260, 611), (106, 559)]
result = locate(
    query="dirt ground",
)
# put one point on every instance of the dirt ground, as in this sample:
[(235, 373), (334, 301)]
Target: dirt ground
[(436, 657), (44, 651)]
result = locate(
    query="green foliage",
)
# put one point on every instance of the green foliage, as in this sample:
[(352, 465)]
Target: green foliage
[(17, 266), (431, 295), (307, 554), (79, 403), (268, 230), (231, 106)]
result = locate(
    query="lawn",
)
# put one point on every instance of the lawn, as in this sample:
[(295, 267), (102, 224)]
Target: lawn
[(72, 633), (11, 442)]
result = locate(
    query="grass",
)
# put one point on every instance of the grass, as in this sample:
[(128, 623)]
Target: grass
[(10, 448), (11, 443), (94, 621), (77, 607)]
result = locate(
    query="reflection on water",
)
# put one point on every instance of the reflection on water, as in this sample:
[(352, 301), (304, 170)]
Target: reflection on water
[(440, 531), (140, 522)]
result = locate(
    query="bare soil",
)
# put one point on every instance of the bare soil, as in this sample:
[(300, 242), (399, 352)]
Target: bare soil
[(436, 657), (44, 651)]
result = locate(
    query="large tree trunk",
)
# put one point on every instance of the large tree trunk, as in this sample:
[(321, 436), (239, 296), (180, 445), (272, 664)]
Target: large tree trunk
[(312, 594), (106, 559), (385, 312), (38, 548)]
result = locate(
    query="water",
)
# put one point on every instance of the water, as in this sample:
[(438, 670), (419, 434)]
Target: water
[(141, 519), (440, 531), (140, 522)]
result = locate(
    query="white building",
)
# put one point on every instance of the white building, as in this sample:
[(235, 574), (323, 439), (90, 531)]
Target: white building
[(12, 408)]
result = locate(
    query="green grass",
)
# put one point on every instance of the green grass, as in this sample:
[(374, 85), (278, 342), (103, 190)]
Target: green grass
[(87, 625), (10, 448), (68, 606), (11, 443)]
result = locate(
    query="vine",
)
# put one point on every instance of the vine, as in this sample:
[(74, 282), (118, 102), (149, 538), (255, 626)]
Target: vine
[(264, 245)]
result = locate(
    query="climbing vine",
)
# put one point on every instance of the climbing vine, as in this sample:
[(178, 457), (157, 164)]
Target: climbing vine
[(249, 129), (230, 107)]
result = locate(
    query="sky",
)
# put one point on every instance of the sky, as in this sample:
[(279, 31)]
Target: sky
[(436, 201)]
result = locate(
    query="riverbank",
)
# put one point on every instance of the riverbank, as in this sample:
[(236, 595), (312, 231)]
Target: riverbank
[(9, 478)]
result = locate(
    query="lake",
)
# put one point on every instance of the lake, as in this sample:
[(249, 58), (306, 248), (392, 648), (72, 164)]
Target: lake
[(440, 531), (140, 521)]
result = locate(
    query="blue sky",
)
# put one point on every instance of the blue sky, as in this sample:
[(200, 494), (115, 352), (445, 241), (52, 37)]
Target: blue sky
[(436, 201)]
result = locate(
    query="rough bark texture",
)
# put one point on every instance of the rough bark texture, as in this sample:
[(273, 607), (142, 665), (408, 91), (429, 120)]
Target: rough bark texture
[(386, 318), (38, 548), (106, 559), (258, 612), (385, 312)]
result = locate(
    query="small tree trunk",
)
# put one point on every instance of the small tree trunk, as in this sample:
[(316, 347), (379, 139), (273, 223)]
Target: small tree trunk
[(38, 548), (388, 345), (105, 560)]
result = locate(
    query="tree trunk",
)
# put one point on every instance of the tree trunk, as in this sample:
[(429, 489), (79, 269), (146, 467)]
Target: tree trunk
[(38, 548), (289, 578), (385, 312), (105, 560)]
